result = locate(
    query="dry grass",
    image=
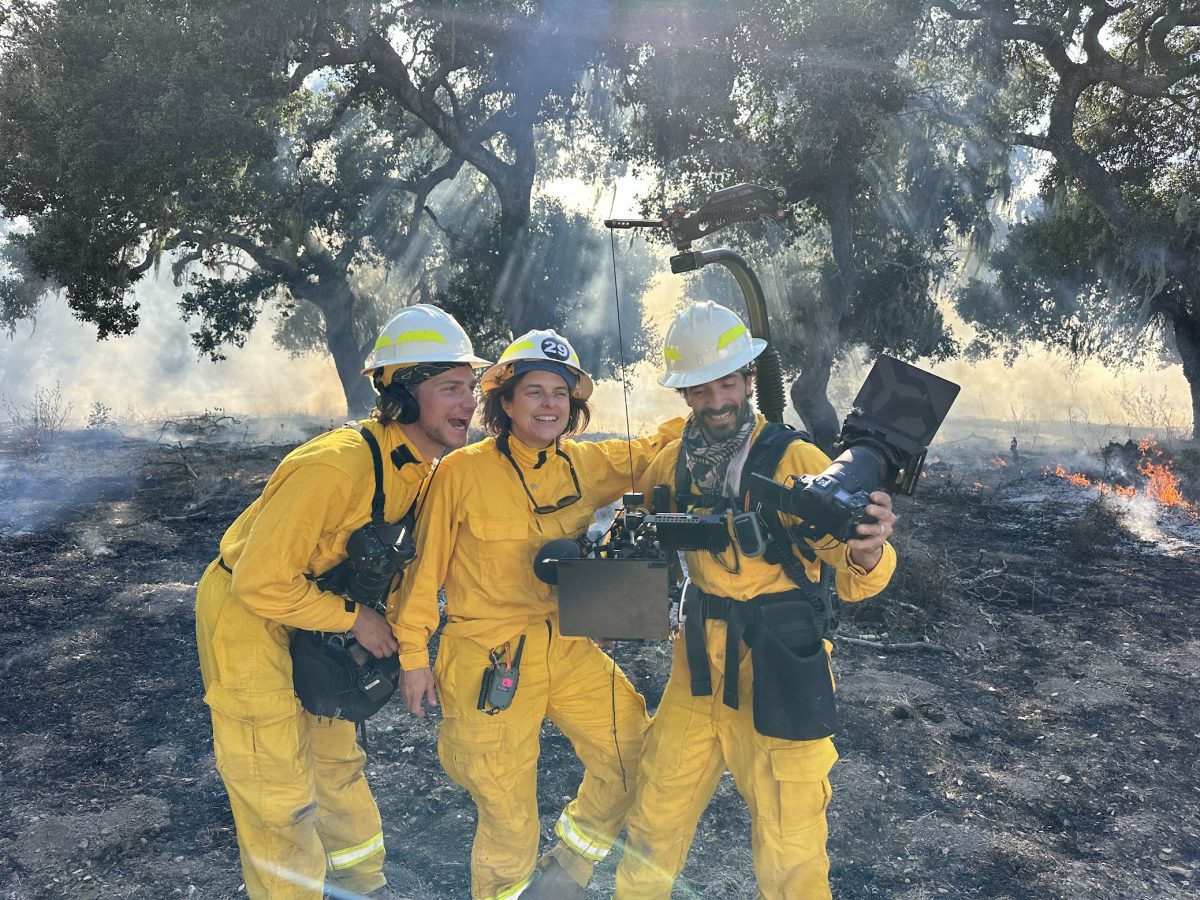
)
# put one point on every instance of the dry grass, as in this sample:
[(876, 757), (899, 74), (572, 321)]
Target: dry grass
[(924, 576), (1096, 533), (38, 421)]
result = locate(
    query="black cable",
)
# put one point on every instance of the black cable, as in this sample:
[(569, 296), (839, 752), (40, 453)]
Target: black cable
[(612, 239), (617, 743)]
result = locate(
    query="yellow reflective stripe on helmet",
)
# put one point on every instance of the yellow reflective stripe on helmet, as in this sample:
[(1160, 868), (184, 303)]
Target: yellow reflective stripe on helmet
[(424, 336), (352, 856), (566, 829), (512, 892), (513, 348), (730, 336), (670, 354), (427, 336)]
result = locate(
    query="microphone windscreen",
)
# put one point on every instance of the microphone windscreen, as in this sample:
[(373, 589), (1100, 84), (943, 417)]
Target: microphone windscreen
[(545, 564)]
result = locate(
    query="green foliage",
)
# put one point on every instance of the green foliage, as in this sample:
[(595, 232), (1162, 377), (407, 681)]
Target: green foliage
[(827, 100), (1106, 268), (99, 416)]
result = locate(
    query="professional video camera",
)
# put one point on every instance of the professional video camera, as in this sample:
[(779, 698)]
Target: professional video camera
[(637, 533), (881, 446)]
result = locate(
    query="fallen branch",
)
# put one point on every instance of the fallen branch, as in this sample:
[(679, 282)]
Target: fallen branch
[(911, 645), (911, 607), (199, 514)]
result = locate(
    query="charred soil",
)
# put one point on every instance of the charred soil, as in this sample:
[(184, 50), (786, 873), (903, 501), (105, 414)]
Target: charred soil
[(1019, 709)]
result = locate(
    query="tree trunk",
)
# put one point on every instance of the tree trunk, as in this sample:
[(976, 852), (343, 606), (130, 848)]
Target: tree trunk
[(810, 391), (336, 301), (1187, 342), (514, 289)]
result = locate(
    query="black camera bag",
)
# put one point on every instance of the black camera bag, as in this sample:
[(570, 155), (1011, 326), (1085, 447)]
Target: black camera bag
[(332, 685), (793, 686)]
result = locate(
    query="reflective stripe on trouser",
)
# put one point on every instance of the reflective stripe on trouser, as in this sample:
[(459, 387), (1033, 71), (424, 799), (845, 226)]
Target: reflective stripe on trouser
[(576, 839), (301, 806), (295, 785), (495, 757), (692, 741)]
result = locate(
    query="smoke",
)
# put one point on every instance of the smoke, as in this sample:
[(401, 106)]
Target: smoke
[(155, 372)]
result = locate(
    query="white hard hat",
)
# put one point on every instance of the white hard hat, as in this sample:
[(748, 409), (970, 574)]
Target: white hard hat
[(421, 334), (706, 341), (539, 345)]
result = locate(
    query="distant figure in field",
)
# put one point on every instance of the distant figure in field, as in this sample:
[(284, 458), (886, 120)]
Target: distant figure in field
[(1013, 451)]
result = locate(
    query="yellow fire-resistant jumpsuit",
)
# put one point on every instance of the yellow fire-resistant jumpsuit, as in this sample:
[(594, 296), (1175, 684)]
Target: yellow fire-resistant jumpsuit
[(693, 740), (302, 807), (478, 535)]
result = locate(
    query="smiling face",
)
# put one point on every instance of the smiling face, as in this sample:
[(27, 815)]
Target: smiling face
[(539, 408), (719, 405), (447, 402)]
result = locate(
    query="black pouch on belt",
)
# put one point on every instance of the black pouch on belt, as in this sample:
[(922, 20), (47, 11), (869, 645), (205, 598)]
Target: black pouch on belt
[(336, 681), (793, 684)]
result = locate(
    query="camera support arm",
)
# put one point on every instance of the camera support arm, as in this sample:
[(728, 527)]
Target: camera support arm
[(741, 203)]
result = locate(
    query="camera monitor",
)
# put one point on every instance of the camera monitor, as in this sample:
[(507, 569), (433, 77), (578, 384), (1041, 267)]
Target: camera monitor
[(623, 599), (906, 399)]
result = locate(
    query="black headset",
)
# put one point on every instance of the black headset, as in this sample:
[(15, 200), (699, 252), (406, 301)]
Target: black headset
[(397, 402)]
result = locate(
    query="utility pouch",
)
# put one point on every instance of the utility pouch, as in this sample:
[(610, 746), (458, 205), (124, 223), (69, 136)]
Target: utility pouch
[(750, 533), (793, 684), (333, 682), (499, 684)]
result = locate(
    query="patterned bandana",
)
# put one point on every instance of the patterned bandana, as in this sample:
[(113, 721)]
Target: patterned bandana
[(411, 376), (709, 462)]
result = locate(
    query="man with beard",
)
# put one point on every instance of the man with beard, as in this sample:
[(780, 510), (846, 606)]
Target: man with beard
[(306, 820), (731, 677)]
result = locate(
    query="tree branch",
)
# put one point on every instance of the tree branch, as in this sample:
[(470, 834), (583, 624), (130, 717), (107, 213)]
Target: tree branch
[(396, 77), (208, 237)]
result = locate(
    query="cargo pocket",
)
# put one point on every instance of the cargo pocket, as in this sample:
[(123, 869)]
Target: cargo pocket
[(802, 776), (501, 541), (259, 737), (472, 753), (793, 682)]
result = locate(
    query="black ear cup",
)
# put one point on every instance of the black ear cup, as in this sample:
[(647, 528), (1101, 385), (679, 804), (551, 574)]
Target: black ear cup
[(397, 402)]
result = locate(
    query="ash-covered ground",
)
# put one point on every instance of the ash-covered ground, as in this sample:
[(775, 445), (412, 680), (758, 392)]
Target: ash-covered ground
[(1019, 709)]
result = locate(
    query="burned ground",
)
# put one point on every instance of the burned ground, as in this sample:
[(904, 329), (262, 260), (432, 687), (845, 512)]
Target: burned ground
[(1040, 742)]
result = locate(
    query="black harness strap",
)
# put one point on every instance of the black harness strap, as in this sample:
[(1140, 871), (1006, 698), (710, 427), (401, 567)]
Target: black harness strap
[(764, 457), (684, 498), (740, 617), (377, 500)]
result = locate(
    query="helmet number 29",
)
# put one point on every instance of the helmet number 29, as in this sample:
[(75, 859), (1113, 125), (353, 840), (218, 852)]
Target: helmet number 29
[(553, 349)]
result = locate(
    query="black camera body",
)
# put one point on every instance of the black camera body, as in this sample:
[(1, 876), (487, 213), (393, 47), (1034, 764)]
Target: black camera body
[(375, 554), (638, 533), (689, 531), (881, 446), (825, 505)]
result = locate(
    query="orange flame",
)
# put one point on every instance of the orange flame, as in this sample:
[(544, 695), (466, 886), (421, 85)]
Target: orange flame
[(1162, 484), (1000, 461)]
